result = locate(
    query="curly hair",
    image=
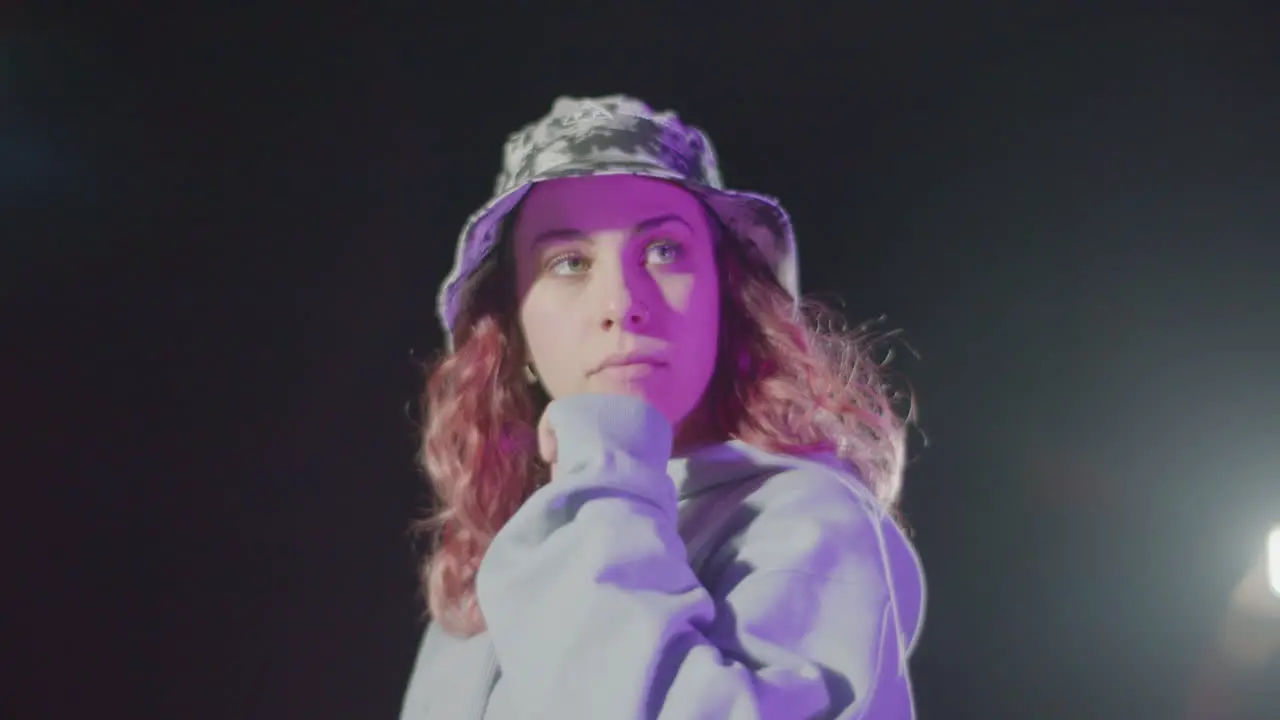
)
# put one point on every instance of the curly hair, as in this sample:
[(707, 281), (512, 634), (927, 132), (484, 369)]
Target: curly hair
[(789, 378)]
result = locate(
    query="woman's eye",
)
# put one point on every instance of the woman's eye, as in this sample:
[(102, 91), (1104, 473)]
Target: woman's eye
[(663, 252), (567, 264)]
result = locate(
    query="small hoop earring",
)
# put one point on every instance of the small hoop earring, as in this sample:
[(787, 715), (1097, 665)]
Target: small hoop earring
[(530, 376)]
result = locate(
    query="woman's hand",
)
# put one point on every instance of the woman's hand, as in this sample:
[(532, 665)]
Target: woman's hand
[(604, 422), (546, 439)]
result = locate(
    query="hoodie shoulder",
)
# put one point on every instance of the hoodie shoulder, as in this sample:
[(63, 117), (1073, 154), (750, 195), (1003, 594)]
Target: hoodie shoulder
[(814, 516)]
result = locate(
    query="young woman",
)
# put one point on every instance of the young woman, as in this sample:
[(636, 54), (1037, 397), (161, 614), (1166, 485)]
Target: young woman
[(663, 491)]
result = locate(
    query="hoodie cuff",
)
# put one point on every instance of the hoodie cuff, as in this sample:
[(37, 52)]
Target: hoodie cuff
[(593, 429)]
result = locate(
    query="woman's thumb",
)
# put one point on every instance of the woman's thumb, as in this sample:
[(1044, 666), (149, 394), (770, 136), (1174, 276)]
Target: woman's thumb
[(546, 440)]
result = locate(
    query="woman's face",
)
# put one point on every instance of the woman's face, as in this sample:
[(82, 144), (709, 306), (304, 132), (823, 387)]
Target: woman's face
[(618, 290)]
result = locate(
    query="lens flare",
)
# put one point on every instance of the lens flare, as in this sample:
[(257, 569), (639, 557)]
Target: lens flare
[(1273, 560)]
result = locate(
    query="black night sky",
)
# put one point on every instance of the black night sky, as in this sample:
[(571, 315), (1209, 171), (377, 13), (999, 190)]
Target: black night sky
[(222, 230)]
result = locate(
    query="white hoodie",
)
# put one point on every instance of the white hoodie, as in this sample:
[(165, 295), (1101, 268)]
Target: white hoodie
[(732, 584)]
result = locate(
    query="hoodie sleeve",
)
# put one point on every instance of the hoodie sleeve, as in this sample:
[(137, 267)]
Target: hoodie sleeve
[(594, 611)]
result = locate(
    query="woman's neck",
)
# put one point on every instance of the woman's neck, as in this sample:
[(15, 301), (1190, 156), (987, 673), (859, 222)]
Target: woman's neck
[(696, 431)]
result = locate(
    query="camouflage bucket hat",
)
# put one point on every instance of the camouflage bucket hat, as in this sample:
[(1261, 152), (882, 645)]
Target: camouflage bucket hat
[(616, 135)]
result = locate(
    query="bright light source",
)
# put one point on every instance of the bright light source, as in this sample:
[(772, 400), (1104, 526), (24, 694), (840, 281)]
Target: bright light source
[(1273, 560)]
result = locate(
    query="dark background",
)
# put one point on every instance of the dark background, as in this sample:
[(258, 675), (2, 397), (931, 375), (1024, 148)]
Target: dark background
[(223, 228)]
